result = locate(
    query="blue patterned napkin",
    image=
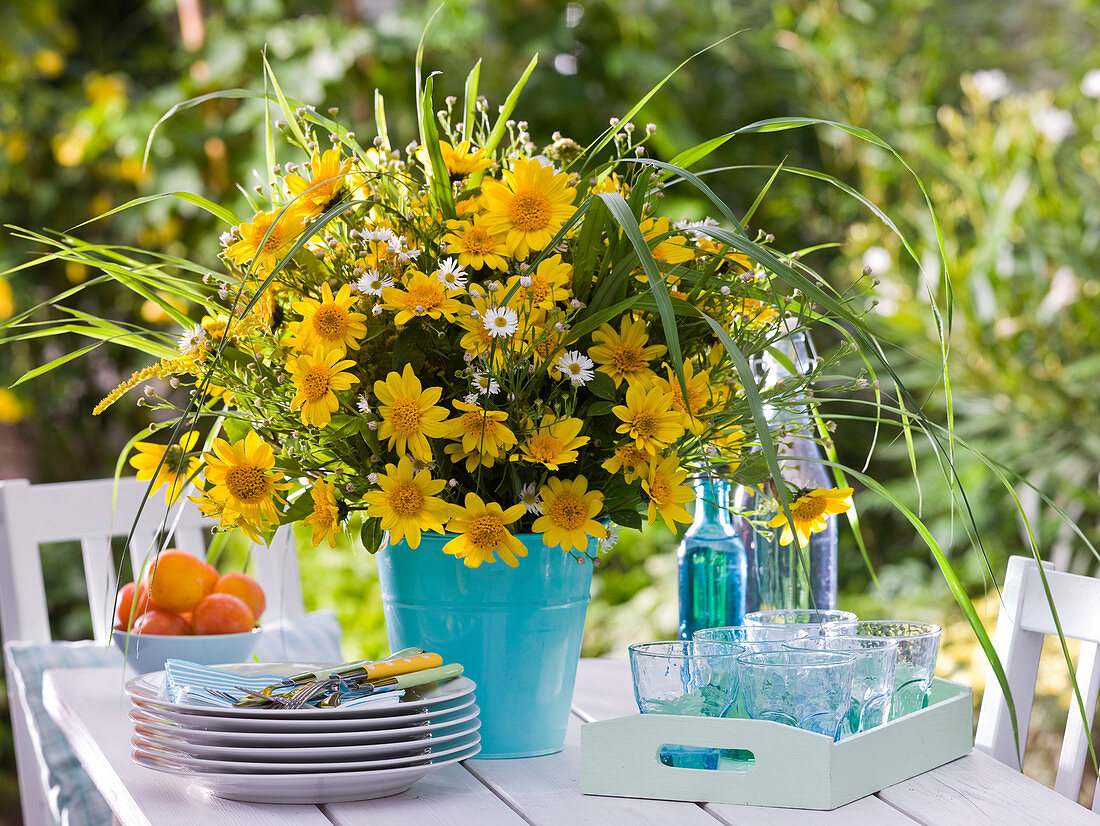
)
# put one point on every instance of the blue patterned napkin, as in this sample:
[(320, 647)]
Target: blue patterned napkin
[(186, 682)]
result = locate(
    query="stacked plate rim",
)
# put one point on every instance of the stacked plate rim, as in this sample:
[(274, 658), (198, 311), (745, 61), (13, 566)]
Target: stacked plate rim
[(307, 755)]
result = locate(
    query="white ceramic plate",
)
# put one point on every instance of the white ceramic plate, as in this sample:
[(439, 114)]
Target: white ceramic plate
[(149, 689), (315, 787), (276, 724), (146, 748), (268, 748)]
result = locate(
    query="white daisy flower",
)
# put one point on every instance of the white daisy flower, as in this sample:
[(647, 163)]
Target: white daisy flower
[(363, 403), (408, 255), (470, 398), (525, 281), (577, 367), (450, 272), (608, 540), (529, 498), (485, 384), (501, 321), (383, 235), (373, 282), (193, 339)]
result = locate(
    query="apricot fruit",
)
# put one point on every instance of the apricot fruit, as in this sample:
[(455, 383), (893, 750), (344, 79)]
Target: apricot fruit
[(222, 614), (160, 622), (246, 589), (210, 579), (126, 603), (177, 581)]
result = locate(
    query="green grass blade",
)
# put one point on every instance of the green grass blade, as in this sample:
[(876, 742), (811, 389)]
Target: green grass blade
[(497, 133), (57, 362), (288, 112), (469, 103)]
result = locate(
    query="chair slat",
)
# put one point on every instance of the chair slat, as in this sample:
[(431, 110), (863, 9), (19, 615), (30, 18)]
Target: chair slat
[(1077, 599), (1071, 761), (99, 577), (23, 614), (276, 569)]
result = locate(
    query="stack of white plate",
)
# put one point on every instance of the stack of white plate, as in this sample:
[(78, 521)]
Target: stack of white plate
[(307, 755)]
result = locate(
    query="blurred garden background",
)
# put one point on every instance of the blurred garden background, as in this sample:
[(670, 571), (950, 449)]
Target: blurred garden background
[(995, 106)]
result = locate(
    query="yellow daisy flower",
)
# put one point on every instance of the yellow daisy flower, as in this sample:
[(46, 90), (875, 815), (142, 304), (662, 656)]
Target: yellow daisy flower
[(330, 322), (670, 250), (701, 396), (173, 472), (755, 312), (625, 354), (549, 283), (407, 503), (242, 487), (529, 206), (409, 415), (482, 431), (329, 173), (482, 533), (280, 231), (648, 418), (325, 519), (475, 245), (632, 462), (460, 160), (554, 442), (568, 508), (664, 482), (316, 378), (809, 512), (422, 296)]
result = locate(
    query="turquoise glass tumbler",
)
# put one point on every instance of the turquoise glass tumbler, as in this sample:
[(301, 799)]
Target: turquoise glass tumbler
[(516, 632), (809, 690)]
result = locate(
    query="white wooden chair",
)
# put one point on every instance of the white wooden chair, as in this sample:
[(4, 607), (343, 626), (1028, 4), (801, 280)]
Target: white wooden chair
[(1024, 621), (91, 513)]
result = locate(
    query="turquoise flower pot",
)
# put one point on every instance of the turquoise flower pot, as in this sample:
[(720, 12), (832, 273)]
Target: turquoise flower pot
[(516, 632)]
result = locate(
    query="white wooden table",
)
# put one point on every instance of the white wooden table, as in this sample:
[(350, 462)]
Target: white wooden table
[(91, 709)]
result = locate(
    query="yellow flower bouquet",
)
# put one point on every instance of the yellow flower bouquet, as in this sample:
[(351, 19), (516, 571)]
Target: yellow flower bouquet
[(479, 335)]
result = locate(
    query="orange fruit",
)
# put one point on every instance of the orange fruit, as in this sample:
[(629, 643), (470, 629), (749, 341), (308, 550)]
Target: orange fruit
[(244, 588), (161, 622), (126, 603), (176, 581), (222, 614), (210, 578)]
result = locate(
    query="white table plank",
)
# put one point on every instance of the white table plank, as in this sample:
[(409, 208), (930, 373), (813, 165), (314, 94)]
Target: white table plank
[(604, 690), (443, 798), (548, 791), (977, 789), (91, 709)]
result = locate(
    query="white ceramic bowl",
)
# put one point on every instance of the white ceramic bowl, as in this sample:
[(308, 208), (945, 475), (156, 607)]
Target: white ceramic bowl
[(148, 652)]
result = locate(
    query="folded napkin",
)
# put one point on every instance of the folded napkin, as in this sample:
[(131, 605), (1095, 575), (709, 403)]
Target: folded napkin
[(186, 682)]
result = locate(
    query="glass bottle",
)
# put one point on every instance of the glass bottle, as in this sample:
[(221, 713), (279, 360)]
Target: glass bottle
[(779, 576), (711, 561)]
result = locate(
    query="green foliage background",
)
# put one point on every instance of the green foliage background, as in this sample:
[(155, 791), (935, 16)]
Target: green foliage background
[(82, 84)]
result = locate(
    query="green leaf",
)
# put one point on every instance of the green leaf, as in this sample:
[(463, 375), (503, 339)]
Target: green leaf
[(627, 518), (603, 386), (429, 136), (469, 108), (288, 112), (57, 362), (510, 102), (600, 408), (216, 210), (371, 534)]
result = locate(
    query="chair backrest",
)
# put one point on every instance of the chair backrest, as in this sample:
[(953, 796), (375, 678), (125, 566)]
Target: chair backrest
[(1024, 621), (92, 513)]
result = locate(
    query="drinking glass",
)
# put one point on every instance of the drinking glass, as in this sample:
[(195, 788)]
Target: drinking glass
[(697, 679), (809, 690), (804, 622), (872, 681), (918, 646), (747, 636)]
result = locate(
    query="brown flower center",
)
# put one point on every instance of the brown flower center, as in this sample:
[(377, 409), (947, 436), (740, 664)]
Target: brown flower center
[(487, 532), (660, 491), (568, 512), (405, 416), (545, 448), (628, 359), (246, 484), (330, 322), (529, 211), (406, 500), (425, 295), (315, 383), (808, 508), (645, 424), (477, 241)]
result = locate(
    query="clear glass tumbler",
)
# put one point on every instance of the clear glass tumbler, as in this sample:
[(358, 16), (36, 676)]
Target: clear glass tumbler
[(696, 679), (809, 690), (804, 622), (872, 682), (918, 647)]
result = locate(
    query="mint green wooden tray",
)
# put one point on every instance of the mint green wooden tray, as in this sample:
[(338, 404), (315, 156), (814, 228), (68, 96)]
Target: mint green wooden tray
[(791, 768)]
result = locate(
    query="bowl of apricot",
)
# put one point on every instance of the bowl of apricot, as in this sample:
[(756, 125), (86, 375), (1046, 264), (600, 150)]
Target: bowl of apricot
[(184, 609)]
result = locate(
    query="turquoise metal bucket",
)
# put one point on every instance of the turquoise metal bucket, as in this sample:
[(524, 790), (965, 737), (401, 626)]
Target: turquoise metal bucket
[(516, 632)]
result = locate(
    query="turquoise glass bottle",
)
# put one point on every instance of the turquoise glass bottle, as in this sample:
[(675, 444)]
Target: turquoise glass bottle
[(712, 562)]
